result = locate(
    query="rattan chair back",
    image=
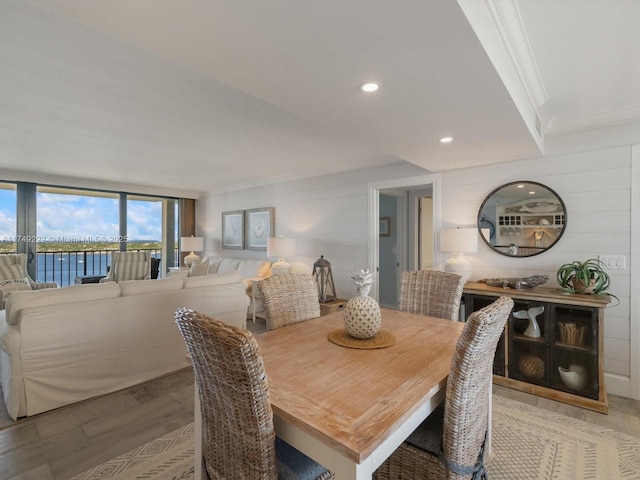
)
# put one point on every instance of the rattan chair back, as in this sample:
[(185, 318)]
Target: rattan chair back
[(466, 407), (432, 293), (237, 421), (452, 439), (289, 298)]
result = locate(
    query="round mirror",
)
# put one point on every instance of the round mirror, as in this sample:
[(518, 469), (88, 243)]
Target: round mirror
[(521, 219)]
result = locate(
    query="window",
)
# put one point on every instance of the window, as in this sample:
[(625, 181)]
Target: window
[(8, 225), (152, 224), (71, 232), (75, 232)]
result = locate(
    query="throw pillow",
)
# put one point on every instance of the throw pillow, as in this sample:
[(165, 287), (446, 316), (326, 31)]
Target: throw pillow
[(9, 286), (199, 269), (11, 272)]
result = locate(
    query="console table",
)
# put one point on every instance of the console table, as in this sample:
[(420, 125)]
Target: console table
[(568, 336)]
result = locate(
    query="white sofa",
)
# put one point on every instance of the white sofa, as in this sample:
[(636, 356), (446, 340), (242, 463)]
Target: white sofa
[(60, 346), (251, 270)]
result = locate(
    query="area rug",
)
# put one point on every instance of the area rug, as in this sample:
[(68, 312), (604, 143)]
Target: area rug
[(534, 444), (528, 444), (169, 457)]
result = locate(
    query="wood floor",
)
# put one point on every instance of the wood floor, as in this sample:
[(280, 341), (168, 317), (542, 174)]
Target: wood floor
[(64, 442)]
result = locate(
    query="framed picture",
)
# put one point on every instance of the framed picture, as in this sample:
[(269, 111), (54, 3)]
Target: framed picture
[(233, 230), (385, 226), (258, 227)]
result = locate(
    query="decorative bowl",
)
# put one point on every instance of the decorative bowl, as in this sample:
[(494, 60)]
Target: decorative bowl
[(575, 377)]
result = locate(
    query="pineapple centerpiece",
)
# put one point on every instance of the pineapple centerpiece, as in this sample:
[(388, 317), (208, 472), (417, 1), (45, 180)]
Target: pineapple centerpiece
[(362, 317)]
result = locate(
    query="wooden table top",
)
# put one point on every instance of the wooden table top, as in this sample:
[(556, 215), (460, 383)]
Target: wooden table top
[(352, 399)]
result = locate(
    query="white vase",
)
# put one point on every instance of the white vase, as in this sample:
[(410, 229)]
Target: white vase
[(362, 317)]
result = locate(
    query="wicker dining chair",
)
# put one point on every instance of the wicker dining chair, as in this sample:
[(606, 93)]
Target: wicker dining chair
[(449, 444), (289, 298), (237, 420), (432, 293)]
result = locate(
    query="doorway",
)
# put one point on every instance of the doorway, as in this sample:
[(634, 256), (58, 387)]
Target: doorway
[(390, 237), (415, 244)]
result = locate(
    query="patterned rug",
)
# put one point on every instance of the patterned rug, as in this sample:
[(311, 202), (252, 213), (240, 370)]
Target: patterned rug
[(534, 444), (166, 458), (528, 444)]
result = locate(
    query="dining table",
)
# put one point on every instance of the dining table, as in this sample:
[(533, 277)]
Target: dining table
[(350, 407)]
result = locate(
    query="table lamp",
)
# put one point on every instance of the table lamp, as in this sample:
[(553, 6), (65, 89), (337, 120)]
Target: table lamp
[(191, 244), (458, 241), (281, 247)]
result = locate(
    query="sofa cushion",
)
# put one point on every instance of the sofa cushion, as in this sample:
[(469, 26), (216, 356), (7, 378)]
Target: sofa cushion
[(11, 272), (56, 296), (214, 264), (253, 268), (7, 287), (140, 287), (199, 269), (214, 279), (227, 265)]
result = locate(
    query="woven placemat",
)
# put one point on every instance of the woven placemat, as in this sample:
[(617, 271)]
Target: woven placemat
[(383, 339)]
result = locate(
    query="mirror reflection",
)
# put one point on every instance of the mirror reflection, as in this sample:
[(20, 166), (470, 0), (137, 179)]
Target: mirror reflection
[(521, 219)]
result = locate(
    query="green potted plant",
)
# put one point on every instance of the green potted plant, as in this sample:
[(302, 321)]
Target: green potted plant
[(584, 277)]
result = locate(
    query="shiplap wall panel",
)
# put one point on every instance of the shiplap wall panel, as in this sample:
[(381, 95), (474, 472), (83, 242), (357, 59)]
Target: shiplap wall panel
[(327, 215), (596, 189)]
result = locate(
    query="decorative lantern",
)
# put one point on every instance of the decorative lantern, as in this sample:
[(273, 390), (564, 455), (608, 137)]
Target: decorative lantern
[(324, 280)]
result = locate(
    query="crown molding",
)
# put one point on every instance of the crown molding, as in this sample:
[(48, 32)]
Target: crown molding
[(508, 21), (498, 26)]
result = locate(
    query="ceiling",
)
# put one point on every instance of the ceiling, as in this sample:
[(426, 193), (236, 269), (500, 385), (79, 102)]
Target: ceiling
[(219, 95)]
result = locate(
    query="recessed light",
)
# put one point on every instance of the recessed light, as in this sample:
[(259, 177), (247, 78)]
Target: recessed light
[(370, 87), (446, 140)]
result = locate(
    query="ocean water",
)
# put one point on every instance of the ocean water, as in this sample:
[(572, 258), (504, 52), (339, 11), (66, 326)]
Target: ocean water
[(64, 267)]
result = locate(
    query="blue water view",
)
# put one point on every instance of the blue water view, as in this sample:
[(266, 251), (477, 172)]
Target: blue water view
[(64, 267)]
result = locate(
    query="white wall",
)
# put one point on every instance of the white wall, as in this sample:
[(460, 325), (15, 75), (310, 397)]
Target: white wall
[(329, 215)]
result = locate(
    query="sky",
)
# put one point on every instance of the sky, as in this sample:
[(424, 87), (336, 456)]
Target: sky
[(81, 218)]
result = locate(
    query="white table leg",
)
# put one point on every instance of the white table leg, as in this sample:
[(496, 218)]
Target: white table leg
[(341, 466)]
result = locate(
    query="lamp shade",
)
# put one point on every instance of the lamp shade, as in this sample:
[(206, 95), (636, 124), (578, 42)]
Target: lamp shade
[(191, 244), (459, 240), (281, 247)]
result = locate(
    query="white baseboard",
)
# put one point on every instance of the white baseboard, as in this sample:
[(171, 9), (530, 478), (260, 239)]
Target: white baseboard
[(618, 385)]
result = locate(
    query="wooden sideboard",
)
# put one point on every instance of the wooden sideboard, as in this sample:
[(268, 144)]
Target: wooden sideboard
[(569, 336)]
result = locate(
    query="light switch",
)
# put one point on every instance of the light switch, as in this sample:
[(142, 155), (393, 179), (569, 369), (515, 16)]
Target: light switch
[(614, 262)]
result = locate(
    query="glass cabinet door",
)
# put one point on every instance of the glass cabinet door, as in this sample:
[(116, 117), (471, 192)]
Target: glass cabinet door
[(575, 350), (529, 350)]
